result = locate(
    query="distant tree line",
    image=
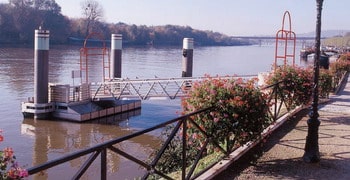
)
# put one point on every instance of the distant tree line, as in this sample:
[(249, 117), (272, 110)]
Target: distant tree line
[(19, 19)]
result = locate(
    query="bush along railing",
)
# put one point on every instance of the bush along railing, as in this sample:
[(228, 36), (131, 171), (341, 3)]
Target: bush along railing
[(219, 115), (296, 84), (338, 70), (327, 83), (239, 111)]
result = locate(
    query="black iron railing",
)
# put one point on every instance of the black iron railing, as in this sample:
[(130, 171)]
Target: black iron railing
[(276, 100), (181, 124)]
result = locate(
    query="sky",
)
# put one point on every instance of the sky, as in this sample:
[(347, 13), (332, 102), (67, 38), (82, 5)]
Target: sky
[(231, 17)]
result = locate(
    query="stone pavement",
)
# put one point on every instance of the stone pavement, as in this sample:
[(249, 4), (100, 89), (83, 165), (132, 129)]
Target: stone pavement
[(281, 156)]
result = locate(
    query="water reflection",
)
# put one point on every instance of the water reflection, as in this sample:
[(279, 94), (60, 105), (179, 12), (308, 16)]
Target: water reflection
[(53, 139)]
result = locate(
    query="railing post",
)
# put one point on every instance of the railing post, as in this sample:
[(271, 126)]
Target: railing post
[(184, 144), (276, 89), (104, 164), (228, 145)]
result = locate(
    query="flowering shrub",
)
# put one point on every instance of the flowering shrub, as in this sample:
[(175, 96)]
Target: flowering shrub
[(325, 83), (341, 65), (296, 84), (9, 168), (239, 110), (337, 69)]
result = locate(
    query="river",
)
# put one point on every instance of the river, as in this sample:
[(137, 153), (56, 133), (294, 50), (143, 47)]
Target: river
[(38, 141)]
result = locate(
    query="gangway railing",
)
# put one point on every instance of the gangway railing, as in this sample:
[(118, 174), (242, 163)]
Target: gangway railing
[(150, 88)]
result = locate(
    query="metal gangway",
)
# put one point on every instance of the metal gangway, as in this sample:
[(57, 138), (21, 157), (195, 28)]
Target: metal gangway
[(145, 89)]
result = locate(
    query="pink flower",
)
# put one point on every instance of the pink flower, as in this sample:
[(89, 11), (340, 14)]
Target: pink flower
[(8, 152), (23, 173), (194, 135), (216, 120)]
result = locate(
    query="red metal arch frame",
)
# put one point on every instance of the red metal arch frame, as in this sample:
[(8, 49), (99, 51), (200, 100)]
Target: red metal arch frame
[(87, 53), (286, 38)]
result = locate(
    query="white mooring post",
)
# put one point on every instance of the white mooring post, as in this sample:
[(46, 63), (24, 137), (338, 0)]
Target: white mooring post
[(41, 67), (187, 57), (116, 55)]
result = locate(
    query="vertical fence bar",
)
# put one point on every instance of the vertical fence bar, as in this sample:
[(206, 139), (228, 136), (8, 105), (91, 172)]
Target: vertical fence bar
[(184, 144), (276, 100), (104, 164), (228, 145)]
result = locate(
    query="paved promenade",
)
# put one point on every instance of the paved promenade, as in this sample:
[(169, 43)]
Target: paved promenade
[(281, 156)]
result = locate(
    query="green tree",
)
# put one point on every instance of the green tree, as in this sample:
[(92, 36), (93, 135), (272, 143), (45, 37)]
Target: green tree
[(47, 5)]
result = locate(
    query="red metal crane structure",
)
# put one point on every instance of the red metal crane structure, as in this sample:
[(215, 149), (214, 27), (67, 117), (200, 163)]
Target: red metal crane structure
[(94, 53), (285, 44)]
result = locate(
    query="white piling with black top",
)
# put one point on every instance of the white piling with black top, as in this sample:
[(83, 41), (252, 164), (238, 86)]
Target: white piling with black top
[(41, 67), (116, 55), (187, 57)]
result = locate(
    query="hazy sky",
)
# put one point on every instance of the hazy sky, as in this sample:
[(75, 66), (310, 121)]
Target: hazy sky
[(232, 17)]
